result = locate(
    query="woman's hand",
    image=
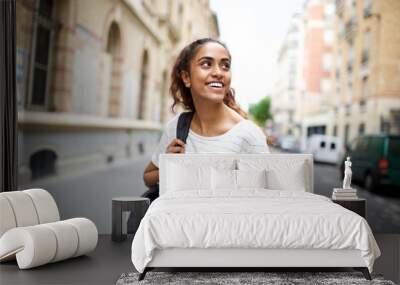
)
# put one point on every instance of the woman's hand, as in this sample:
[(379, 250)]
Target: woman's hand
[(176, 146), (151, 173)]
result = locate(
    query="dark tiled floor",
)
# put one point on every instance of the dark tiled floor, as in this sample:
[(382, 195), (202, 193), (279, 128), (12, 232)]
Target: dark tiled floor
[(102, 266), (110, 260)]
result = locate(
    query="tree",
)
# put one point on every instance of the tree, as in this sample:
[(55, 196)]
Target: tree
[(260, 111)]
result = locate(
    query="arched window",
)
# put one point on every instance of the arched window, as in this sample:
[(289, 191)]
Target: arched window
[(41, 61), (143, 86), (114, 49), (43, 163), (164, 94)]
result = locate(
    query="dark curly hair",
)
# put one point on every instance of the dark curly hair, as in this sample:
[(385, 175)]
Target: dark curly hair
[(182, 94)]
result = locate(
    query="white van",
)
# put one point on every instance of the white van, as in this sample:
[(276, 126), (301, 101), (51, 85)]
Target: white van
[(325, 148)]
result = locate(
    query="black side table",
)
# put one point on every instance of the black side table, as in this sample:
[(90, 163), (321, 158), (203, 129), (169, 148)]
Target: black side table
[(358, 206), (136, 205)]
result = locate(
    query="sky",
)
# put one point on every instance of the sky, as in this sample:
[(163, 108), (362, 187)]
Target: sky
[(253, 31)]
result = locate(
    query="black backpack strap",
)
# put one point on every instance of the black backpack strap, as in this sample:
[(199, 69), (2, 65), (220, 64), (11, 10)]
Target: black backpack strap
[(182, 130)]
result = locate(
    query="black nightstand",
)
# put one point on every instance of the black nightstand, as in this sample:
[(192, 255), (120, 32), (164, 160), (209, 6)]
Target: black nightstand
[(136, 205), (358, 206)]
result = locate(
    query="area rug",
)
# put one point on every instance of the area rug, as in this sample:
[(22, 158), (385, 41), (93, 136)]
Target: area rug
[(269, 278)]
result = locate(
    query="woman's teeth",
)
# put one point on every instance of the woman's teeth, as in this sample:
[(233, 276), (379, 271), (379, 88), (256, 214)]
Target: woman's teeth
[(215, 84)]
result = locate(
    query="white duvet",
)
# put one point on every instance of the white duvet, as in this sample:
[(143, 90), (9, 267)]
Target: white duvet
[(250, 219)]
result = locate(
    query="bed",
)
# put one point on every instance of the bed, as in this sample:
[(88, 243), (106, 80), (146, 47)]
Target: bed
[(247, 210)]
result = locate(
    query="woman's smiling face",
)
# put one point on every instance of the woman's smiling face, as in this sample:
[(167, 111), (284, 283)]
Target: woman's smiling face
[(210, 72)]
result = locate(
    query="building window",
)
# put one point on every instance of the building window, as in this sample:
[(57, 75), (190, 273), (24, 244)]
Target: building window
[(366, 47), (43, 164), (362, 104), (350, 53), (384, 125), (346, 133), (353, 9), (365, 57), (44, 27), (341, 29), (350, 72), (349, 91), (292, 83), (367, 8), (337, 73), (350, 58), (364, 88), (190, 29), (140, 146), (350, 67), (320, 130), (361, 129), (326, 85), (291, 116), (364, 94), (329, 11), (164, 96), (350, 29), (329, 37), (180, 14), (347, 109), (334, 133), (114, 50), (327, 61), (143, 86), (339, 7)]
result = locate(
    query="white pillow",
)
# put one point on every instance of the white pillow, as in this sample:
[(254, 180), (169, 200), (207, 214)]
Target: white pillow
[(227, 179), (223, 179), (183, 177), (251, 178), (282, 180), (282, 174)]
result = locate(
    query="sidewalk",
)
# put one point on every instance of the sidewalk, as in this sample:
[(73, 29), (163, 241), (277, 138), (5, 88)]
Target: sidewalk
[(89, 195)]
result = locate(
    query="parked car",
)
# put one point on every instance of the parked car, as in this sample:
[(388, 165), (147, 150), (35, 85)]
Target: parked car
[(375, 160), (289, 143), (325, 148)]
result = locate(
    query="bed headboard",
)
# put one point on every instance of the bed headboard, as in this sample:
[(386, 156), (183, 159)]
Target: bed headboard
[(286, 166)]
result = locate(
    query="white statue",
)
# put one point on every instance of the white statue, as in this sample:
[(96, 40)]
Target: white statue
[(347, 174)]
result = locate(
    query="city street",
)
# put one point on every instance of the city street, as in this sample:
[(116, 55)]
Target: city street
[(89, 88)]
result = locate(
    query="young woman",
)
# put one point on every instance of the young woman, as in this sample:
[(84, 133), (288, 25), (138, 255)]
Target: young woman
[(201, 79)]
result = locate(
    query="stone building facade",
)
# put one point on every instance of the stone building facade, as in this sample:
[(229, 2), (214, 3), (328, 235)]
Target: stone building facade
[(288, 85), (301, 96), (367, 73), (350, 74), (318, 66), (93, 78)]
